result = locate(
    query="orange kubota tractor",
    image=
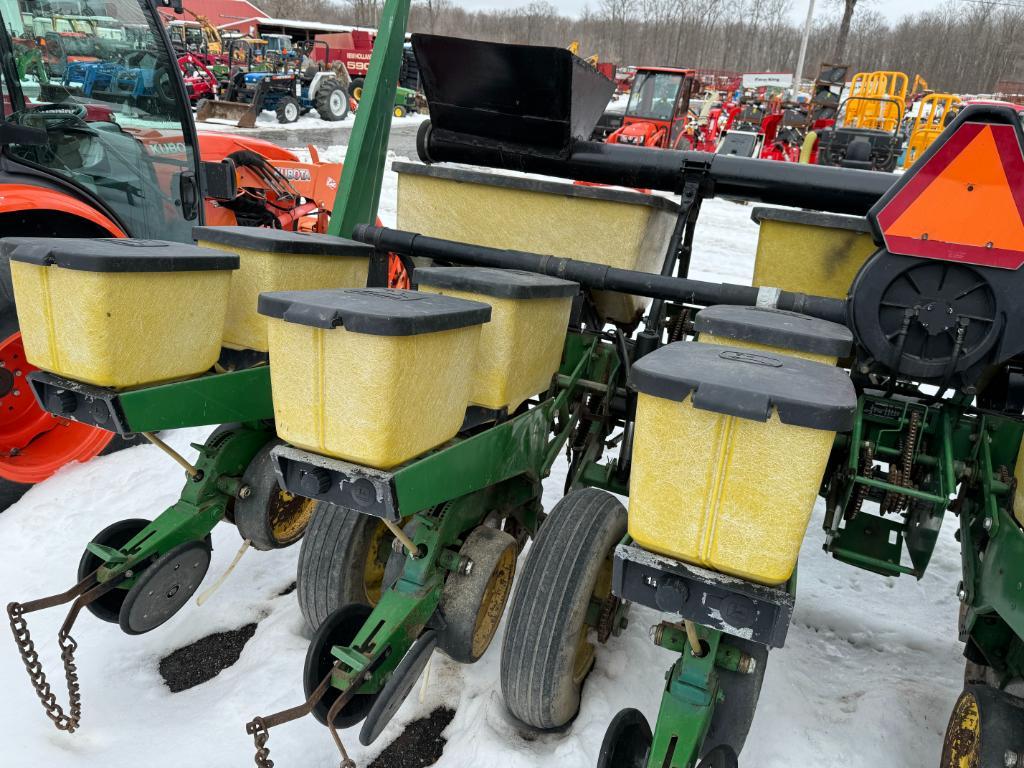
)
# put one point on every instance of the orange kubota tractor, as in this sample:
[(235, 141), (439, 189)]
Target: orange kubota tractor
[(111, 150), (658, 112)]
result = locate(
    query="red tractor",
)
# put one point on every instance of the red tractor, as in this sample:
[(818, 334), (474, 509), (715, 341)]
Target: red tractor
[(658, 113)]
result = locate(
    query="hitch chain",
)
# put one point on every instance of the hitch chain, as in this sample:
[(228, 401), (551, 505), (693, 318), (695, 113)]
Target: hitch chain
[(259, 727), (83, 593)]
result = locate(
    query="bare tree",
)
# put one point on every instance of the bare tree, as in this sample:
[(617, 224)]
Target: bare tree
[(844, 29)]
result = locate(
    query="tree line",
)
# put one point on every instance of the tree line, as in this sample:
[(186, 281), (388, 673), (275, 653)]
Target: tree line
[(963, 47)]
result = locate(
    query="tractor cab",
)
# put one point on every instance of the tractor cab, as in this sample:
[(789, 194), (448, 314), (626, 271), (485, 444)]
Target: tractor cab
[(104, 125), (658, 111)]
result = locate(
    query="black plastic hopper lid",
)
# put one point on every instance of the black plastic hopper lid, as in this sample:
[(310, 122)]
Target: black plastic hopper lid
[(749, 384), (281, 241), (375, 311), (499, 283), (115, 254), (776, 328)]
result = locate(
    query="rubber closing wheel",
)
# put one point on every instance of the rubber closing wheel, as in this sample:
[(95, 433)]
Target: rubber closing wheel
[(627, 742), (164, 587), (985, 724), (398, 687), (733, 716), (340, 628), (108, 607)]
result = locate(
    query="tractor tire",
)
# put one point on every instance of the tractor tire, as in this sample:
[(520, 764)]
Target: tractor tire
[(331, 101), (355, 88), (986, 725), (288, 110), (400, 111), (341, 561), (546, 655)]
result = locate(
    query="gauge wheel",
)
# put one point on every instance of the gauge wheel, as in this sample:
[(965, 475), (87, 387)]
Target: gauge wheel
[(986, 725), (342, 560), (548, 650), (288, 110), (473, 603), (269, 516)]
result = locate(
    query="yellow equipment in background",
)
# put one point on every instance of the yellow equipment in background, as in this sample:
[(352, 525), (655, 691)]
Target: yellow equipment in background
[(876, 100), (934, 113)]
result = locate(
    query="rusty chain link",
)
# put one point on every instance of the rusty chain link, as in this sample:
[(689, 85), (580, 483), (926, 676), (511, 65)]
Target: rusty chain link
[(63, 721), (259, 727), (83, 593)]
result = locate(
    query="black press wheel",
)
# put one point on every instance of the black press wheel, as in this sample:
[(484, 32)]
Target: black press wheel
[(107, 607), (985, 726), (340, 628), (547, 652), (342, 560), (288, 110), (165, 587), (627, 742)]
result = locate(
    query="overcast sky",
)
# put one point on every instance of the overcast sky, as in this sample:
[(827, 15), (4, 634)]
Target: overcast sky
[(893, 9)]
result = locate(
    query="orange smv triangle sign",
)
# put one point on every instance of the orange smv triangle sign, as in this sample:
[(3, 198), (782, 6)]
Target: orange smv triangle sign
[(965, 203)]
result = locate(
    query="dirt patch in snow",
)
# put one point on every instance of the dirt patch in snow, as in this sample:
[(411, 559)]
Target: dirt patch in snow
[(420, 744), (204, 659)]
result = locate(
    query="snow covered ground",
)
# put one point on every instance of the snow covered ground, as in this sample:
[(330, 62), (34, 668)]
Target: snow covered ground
[(867, 678)]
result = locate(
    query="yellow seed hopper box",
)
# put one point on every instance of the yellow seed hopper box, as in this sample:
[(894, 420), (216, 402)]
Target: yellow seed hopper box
[(810, 252), (375, 376), (729, 451), (276, 260), (118, 312), (616, 227), (521, 348), (774, 330)]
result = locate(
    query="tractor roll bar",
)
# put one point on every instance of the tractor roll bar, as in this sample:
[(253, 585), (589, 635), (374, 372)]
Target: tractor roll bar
[(818, 187), (598, 276)]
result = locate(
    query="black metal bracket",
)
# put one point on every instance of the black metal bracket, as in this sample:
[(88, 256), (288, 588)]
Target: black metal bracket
[(75, 401), (368, 491), (726, 603)]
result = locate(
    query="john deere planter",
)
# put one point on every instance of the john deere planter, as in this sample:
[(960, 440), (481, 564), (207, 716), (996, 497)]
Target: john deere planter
[(414, 429)]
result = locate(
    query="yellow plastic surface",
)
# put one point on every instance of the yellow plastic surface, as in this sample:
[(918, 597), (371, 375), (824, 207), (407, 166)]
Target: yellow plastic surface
[(616, 234), (724, 493), (261, 271), (520, 349), (821, 261), (120, 329), (710, 338), (373, 400), (1018, 501)]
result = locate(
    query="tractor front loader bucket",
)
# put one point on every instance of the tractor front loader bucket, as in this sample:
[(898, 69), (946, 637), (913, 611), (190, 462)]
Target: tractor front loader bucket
[(512, 94), (242, 114)]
